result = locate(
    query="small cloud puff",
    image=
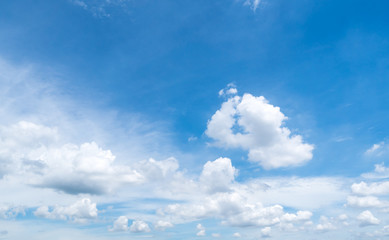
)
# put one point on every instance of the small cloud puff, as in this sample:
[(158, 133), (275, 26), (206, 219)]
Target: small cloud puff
[(162, 225), (201, 231), (229, 90), (375, 149)]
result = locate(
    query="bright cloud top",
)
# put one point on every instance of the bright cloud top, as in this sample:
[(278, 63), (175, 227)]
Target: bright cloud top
[(253, 124)]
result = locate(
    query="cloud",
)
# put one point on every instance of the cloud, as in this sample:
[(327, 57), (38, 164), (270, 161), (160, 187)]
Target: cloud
[(154, 170), (34, 150), (139, 226), (120, 224), (201, 231), (253, 124), (7, 212), (236, 235), (300, 216), (218, 175), (343, 217), (229, 90), (375, 188), (265, 232), (375, 148), (325, 225), (368, 201), (100, 8), (366, 218), (380, 171), (81, 211), (254, 4), (234, 210), (162, 225), (216, 235)]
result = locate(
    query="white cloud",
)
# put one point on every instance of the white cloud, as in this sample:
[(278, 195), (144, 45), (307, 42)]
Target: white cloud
[(229, 90), (120, 224), (201, 231), (343, 217), (157, 170), (375, 149), (325, 225), (252, 123), (232, 91), (99, 8), (375, 188), (380, 171), (300, 216), (34, 151), (81, 211), (366, 218), (7, 211), (237, 235), (162, 225), (218, 175), (265, 232), (234, 210), (368, 201), (216, 235), (138, 226)]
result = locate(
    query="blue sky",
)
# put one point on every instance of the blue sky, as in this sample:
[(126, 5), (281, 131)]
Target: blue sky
[(250, 119)]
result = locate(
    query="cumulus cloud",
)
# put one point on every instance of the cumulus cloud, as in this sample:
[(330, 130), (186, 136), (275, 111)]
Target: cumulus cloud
[(81, 211), (154, 170), (380, 171), (375, 188), (120, 224), (234, 210), (368, 201), (139, 226), (300, 216), (253, 124), (162, 225), (237, 235), (34, 150), (366, 218), (325, 225), (218, 175)]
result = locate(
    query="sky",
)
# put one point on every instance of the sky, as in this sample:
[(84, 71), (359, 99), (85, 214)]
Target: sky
[(222, 119)]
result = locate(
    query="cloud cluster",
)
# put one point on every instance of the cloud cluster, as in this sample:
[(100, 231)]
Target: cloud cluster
[(372, 192), (34, 150), (253, 124), (137, 226), (81, 211)]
